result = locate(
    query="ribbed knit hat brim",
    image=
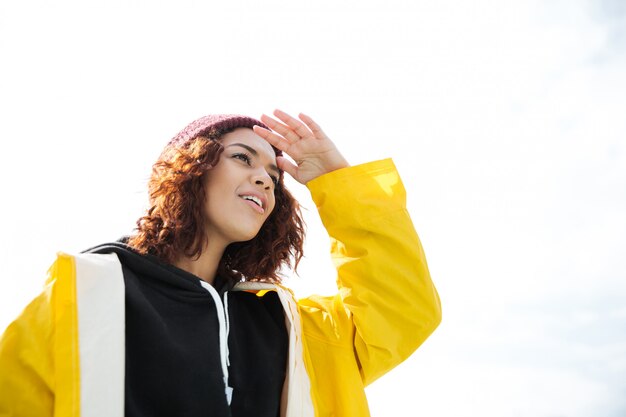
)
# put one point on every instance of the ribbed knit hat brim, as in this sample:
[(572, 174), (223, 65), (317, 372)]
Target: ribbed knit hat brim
[(215, 123)]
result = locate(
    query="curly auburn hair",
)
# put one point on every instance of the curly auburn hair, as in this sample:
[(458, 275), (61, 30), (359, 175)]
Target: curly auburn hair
[(174, 225)]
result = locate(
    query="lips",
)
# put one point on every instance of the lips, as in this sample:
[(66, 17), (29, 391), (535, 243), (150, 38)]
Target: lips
[(255, 201)]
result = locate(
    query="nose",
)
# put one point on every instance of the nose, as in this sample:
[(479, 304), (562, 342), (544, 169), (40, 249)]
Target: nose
[(263, 179)]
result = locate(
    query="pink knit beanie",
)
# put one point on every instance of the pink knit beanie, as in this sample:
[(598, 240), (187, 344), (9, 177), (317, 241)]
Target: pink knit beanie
[(217, 125)]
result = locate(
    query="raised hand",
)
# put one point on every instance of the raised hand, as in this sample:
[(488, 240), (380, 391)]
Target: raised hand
[(305, 142)]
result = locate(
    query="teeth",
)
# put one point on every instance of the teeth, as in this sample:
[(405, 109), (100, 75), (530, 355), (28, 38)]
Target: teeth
[(253, 199)]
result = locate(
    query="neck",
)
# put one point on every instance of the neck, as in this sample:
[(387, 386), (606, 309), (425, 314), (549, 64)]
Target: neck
[(205, 267)]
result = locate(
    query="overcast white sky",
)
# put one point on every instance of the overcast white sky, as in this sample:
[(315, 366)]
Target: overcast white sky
[(505, 119)]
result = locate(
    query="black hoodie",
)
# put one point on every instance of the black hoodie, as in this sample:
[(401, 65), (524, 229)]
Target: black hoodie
[(173, 363)]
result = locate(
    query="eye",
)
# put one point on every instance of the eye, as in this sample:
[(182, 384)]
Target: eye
[(243, 157)]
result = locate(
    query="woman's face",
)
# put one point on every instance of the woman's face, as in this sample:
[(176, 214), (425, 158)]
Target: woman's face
[(240, 188)]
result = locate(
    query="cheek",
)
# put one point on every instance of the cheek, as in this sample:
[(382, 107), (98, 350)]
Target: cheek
[(273, 203)]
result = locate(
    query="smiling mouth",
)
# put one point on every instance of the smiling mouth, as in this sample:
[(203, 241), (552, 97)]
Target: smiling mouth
[(254, 202), (254, 199)]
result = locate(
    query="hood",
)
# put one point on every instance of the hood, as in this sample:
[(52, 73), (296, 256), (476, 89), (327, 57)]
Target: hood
[(152, 268)]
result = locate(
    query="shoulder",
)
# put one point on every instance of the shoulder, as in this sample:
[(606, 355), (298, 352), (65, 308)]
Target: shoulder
[(68, 266), (85, 278)]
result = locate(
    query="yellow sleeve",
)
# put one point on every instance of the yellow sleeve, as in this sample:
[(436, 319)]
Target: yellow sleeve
[(39, 369), (26, 364), (387, 304)]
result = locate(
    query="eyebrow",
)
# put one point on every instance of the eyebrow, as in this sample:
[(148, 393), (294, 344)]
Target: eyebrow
[(255, 153)]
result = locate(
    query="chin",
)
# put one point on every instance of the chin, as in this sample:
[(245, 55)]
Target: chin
[(245, 237)]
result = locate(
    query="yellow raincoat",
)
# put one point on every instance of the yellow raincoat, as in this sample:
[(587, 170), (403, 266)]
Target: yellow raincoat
[(63, 356)]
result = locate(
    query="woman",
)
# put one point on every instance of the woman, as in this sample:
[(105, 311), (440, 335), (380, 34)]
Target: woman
[(188, 317)]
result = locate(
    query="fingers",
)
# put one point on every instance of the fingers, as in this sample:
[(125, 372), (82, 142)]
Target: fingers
[(279, 143), (315, 128), (275, 140), (296, 125), (283, 130), (287, 166)]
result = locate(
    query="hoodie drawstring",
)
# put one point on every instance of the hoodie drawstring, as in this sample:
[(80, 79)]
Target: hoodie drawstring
[(222, 318)]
